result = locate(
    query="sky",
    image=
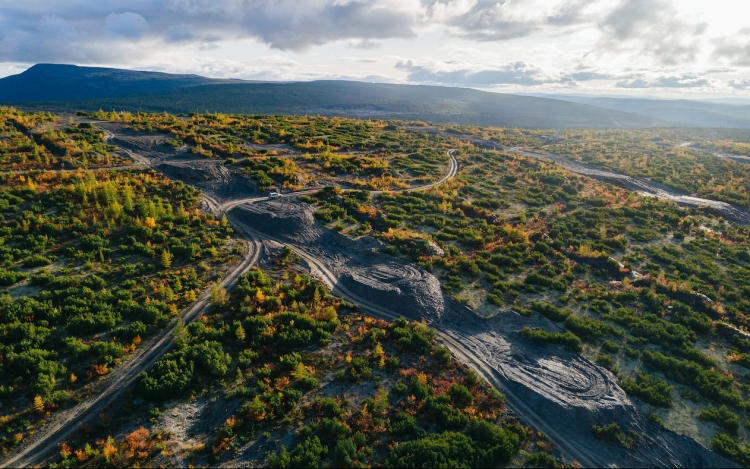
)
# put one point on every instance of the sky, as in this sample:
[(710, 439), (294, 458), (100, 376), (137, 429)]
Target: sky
[(657, 48)]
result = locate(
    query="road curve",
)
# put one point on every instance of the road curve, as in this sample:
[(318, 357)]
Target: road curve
[(452, 172), (64, 423), (468, 357)]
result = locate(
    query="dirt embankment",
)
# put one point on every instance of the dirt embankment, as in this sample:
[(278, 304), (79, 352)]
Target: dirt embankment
[(357, 265), (556, 391), (209, 176)]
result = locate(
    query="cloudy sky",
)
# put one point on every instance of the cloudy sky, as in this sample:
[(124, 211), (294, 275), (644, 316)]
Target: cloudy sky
[(668, 48)]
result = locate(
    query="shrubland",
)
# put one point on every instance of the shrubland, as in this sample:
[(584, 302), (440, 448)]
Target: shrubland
[(654, 292), (289, 152), (313, 382), (37, 140), (85, 281), (607, 265)]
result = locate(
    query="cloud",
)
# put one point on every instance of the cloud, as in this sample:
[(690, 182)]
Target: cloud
[(54, 27), (740, 84), (500, 20), (89, 31), (650, 28), (365, 19), (735, 50), (672, 81), (589, 76), (367, 44), (515, 73), (179, 33), (127, 25), (288, 25)]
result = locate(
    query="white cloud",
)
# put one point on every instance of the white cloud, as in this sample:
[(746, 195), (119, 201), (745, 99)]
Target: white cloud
[(492, 20), (669, 81), (596, 45), (740, 84), (650, 29), (127, 25), (456, 73)]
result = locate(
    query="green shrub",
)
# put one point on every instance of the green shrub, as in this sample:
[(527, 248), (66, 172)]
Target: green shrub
[(709, 383), (551, 311), (590, 328), (650, 388), (611, 347), (722, 417), (609, 432), (727, 446), (540, 337)]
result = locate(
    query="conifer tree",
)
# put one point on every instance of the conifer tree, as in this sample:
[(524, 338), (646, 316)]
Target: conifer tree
[(38, 404), (166, 259)]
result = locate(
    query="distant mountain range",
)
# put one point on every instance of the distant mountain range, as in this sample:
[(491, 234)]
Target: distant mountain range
[(50, 82), (681, 111), (72, 88)]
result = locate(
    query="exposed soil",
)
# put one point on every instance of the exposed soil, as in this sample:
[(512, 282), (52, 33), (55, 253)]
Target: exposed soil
[(555, 391), (357, 265), (558, 392)]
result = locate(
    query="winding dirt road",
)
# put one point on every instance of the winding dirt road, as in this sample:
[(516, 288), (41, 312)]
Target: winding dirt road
[(64, 423)]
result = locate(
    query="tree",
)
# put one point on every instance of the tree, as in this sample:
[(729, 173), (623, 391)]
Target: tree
[(38, 404), (218, 295), (240, 333), (109, 449), (211, 358), (166, 259), (224, 221), (181, 334)]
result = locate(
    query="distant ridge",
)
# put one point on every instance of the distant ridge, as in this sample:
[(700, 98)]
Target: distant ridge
[(683, 111), (53, 82), (71, 88)]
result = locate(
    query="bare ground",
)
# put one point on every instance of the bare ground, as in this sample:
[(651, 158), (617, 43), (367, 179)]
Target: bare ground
[(558, 392)]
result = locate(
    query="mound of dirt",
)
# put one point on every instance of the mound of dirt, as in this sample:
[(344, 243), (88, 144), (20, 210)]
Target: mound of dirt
[(563, 394), (400, 287), (149, 144), (209, 176), (356, 265)]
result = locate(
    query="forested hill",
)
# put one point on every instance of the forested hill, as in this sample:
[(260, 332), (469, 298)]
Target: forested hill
[(55, 82), (65, 87)]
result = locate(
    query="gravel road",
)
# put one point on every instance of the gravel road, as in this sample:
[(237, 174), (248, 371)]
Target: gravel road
[(555, 391)]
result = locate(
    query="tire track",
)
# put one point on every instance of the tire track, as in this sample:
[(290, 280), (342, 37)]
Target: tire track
[(63, 424), (462, 353)]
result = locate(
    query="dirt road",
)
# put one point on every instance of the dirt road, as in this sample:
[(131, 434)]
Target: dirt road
[(555, 391), (64, 423)]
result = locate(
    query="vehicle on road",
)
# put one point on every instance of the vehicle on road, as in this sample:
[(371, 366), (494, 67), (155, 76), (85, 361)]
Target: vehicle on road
[(274, 195)]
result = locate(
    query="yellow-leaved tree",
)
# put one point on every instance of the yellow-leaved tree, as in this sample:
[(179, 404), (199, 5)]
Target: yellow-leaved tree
[(166, 259), (38, 404)]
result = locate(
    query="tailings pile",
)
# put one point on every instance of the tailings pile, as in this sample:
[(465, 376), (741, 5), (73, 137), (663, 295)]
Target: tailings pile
[(356, 265)]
